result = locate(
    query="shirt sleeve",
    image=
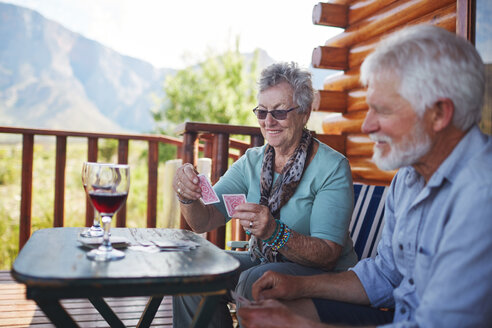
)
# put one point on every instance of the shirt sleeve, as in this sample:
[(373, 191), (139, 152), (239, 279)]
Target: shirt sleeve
[(458, 293), (333, 204), (380, 276)]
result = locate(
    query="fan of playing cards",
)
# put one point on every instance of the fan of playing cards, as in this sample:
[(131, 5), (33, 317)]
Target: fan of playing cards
[(209, 196)]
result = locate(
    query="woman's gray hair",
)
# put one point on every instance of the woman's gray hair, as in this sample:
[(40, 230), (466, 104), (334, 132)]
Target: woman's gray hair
[(431, 63), (299, 80)]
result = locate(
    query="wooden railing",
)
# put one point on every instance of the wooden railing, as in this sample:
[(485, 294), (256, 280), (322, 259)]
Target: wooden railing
[(92, 154), (212, 140), (213, 136)]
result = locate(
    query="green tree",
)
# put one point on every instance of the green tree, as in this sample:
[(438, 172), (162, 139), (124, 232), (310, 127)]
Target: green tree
[(221, 89)]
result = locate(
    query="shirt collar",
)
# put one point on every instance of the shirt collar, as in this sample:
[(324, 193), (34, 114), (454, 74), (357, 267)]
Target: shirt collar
[(451, 167)]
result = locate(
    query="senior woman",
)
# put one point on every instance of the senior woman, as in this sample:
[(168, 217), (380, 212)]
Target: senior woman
[(299, 195)]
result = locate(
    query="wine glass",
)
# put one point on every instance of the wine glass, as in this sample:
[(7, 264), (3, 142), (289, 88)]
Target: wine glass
[(96, 230), (107, 187)]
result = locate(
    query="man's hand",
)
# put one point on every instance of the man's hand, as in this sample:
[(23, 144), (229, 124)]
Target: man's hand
[(271, 314), (276, 285)]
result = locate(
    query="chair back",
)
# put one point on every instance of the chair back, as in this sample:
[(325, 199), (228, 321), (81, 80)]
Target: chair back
[(367, 219)]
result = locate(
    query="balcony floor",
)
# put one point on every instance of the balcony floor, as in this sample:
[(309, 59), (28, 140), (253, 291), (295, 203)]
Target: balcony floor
[(16, 311)]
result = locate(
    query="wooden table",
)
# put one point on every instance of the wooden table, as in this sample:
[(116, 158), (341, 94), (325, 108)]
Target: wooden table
[(53, 266)]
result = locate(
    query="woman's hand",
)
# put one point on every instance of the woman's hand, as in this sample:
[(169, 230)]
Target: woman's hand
[(185, 182), (256, 218)]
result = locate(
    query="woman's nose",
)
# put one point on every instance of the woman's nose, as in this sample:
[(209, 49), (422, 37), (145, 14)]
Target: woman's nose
[(270, 120)]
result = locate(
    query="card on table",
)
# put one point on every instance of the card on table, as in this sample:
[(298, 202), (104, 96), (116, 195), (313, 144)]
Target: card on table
[(231, 201), (208, 193)]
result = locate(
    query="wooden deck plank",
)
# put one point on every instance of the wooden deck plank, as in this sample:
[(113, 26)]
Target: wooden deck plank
[(16, 311)]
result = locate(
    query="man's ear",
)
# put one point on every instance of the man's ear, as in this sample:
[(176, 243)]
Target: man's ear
[(442, 114)]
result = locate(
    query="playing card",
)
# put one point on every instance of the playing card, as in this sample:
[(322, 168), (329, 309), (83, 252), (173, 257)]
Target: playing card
[(233, 200), (208, 193), (240, 300)]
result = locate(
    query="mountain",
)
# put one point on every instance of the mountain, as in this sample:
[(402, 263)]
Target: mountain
[(53, 78)]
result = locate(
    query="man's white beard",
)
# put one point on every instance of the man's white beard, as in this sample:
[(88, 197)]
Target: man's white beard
[(406, 152)]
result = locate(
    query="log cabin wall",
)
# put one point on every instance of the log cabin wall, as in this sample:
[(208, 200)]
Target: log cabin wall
[(365, 22)]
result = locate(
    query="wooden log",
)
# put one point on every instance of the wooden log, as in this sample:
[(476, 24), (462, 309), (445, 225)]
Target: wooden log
[(360, 51), (330, 57), (397, 14), (356, 101), (337, 142), (340, 124), (332, 101), (444, 17), (340, 2), (361, 9), (330, 14), (365, 169), (342, 82), (359, 145)]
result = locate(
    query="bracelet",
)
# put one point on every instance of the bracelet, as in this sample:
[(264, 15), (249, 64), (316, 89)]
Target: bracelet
[(278, 235), (284, 240), (277, 224), (185, 201)]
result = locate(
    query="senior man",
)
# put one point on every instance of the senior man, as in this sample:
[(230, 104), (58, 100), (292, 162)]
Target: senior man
[(434, 262)]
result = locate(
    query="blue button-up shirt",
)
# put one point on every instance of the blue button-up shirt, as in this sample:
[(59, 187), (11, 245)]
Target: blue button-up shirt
[(434, 262)]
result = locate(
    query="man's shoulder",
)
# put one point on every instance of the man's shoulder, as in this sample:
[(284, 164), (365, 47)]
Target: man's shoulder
[(478, 169)]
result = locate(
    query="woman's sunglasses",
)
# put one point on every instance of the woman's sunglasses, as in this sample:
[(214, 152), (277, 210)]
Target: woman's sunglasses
[(278, 114)]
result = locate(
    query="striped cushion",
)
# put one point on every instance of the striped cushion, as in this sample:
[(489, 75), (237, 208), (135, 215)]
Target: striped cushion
[(367, 219)]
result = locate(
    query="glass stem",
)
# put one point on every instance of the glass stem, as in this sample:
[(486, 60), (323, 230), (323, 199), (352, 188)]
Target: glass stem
[(106, 225), (96, 220)]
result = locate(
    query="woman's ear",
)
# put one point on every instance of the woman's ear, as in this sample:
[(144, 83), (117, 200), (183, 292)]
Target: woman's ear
[(442, 114)]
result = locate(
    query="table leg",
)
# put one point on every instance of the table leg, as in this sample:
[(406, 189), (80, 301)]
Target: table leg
[(205, 310), (150, 311), (106, 312), (56, 313)]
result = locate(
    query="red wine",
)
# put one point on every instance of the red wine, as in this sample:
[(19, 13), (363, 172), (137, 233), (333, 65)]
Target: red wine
[(107, 203)]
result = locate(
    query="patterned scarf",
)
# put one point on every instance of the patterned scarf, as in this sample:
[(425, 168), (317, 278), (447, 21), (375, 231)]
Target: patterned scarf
[(275, 197)]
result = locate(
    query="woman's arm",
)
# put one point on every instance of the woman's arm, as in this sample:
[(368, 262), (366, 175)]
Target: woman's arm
[(201, 218), (305, 250), (311, 251)]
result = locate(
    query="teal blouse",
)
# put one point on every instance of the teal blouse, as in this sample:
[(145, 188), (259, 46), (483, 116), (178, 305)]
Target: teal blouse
[(321, 205)]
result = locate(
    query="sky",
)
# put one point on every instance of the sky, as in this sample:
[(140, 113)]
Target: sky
[(174, 34)]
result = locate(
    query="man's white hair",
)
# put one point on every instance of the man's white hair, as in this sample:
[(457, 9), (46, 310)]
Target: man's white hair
[(431, 63)]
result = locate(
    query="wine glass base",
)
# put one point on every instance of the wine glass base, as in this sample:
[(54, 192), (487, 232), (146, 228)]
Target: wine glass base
[(92, 232), (105, 256)]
